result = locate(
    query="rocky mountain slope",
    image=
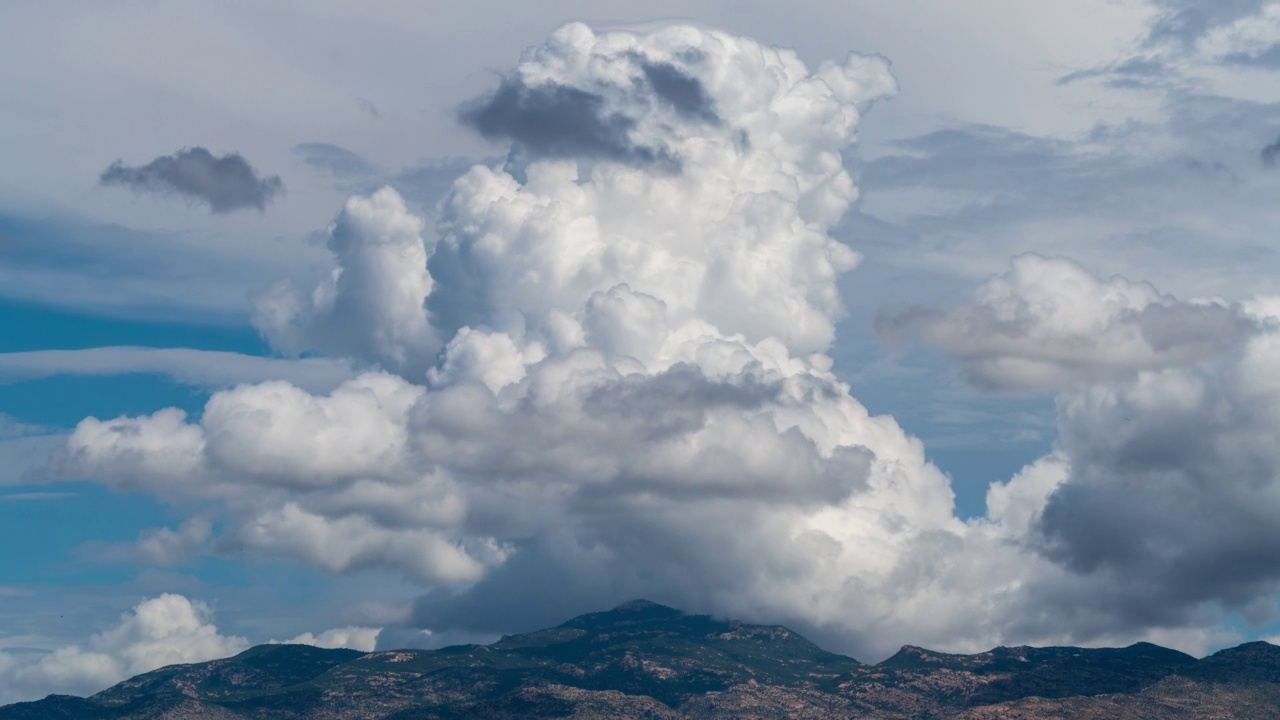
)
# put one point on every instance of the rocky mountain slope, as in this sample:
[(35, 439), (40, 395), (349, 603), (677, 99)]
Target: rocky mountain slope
[(642, 660)]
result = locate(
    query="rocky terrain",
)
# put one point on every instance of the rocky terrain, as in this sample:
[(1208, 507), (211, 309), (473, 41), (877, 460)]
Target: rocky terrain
[(642, 660)]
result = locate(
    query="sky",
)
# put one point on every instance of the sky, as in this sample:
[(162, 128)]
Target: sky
[(403, 324)]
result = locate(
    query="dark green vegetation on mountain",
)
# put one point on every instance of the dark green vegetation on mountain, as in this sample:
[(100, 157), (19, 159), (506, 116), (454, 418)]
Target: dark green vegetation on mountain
[(643, 660)]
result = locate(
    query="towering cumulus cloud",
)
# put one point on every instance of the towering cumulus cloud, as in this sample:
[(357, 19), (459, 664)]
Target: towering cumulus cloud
[(601, 376)]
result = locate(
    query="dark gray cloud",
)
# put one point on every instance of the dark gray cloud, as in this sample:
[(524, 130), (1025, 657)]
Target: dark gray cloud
[(684, 93), (674, 402), (1270, 152), (561, 121), (1194, 330), (556, 120), (337, 161), (225, 183), (1172, 490)]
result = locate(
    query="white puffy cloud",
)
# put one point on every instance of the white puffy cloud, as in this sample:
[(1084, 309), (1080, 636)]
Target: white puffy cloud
[(1016, 504), (371, 306), (364, 639), (165, 630), (1049, 324)]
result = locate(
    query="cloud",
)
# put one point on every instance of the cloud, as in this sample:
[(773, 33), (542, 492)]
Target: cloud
[(1047, 324), (1251, 38), (428, 182), (372, 307), (162, 546), (337, 161), (201, 368), (27, 497), (66, 262), (589, 356), (164, 630), (226, 183), (633, 103), (1189, 20), (1172, 480), (1187, 37), (559, 121), (24, 448), (364, 639), (683, 92), (597, 378), (1270, 152)]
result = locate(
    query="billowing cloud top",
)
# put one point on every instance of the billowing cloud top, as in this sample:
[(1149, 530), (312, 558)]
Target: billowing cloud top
[(224, 183), (554, 251)]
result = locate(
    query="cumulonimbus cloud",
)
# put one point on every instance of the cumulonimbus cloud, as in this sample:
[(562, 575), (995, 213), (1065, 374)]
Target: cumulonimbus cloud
[(601, 377), (225, 184)]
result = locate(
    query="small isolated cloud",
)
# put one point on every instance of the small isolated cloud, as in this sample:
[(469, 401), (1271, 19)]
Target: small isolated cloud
[(226, 183), (337, 161), (165, 630), (364, 639), (1048, 324)]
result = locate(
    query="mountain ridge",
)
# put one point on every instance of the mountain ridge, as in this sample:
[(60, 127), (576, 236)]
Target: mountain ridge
[(642, 659)]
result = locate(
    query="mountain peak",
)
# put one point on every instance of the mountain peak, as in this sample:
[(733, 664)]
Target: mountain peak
[(913, 656), (642, 605)]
